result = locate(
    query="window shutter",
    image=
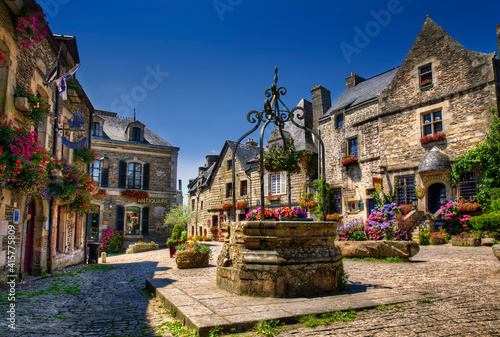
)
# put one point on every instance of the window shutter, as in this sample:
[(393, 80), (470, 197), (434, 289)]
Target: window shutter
[(120, 215), (145, 221), (266, 184), (104, 178), (122, 174), (283, 182), (145, 177)]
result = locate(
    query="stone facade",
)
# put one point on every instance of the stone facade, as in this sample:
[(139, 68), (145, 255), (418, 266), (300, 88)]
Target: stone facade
[(29, 68), (155, 161), (440, 86)]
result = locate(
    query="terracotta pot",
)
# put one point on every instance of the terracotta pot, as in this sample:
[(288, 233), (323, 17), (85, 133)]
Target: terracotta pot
[(190, 259)]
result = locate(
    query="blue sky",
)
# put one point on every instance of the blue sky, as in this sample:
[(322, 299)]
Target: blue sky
[(195, 68)]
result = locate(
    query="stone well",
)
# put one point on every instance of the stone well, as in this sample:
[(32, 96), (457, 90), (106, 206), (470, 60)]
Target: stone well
[(279, 258)]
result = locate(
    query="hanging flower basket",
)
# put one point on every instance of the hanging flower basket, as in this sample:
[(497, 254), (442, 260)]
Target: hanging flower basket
[(434, 138), (282, 158), (85, 154), (227, 206), (272, 197), (31, 27), (350, 160), (242, 204)]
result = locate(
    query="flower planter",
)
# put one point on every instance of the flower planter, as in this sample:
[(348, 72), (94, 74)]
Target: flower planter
[(296, 219), (496, 251), (22, 104), (137, 248), (189, 259), (378, 249), (466, 242), (171, 247), (436, 241)]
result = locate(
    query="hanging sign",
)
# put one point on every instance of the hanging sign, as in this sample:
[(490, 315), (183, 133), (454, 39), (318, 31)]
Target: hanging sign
[(377, 184)]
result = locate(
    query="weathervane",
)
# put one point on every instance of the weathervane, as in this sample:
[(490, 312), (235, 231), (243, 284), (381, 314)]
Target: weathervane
[(276, 112)]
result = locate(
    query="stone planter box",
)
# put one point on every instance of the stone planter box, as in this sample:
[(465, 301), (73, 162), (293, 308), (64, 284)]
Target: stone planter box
[(189, 259), (22, 104), (141, 248), (436, 241), (296, 219), (279, 258), (378, 249), (467, 242), (496, 251)]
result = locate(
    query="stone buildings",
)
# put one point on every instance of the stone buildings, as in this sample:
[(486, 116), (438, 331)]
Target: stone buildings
[(38, 230), (139, 161), (406, 125)]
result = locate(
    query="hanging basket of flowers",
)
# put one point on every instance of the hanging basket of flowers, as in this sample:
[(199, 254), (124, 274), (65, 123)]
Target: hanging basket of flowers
[(86, 154), (227, 206), (38, 109), (242, 204), (31, 27), (282, 158)]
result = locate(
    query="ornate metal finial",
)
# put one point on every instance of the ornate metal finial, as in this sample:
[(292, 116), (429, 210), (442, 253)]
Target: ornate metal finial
[(134, 114)]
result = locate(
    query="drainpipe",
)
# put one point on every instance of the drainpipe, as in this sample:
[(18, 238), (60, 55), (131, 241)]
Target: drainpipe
[(54, 152)]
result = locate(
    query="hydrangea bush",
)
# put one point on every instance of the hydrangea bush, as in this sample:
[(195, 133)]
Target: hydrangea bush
[(111, 241)]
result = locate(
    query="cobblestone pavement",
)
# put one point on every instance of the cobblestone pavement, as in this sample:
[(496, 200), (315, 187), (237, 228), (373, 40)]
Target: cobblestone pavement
[(462, 286)]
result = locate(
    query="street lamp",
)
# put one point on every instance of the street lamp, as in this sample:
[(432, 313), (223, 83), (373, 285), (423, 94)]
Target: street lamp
[(104, 162), (414, 202)]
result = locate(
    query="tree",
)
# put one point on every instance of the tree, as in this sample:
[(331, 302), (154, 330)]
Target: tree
[(181, 215), (484, 156)]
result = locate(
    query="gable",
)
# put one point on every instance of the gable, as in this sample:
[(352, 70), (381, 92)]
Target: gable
[(454, 69)]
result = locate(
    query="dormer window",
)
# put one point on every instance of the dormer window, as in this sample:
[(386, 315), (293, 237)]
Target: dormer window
[(136, 134), (95, 129), (339, 121), (425, 74)]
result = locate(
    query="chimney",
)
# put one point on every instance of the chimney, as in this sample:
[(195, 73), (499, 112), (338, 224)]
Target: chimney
[(210, 159), (498, 39), (251, 142), (180, 185), (353, 81), (321, 102)]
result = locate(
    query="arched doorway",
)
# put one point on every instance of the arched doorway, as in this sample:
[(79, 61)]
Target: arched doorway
[(30, 236), (433, 196)]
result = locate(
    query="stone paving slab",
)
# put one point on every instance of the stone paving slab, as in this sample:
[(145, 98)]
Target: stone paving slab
[(202, 305)]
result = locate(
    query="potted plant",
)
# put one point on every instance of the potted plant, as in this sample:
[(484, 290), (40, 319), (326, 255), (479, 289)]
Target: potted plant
[(227, 206), (437, 238), (242, 204), (192, 255), (269, 214)]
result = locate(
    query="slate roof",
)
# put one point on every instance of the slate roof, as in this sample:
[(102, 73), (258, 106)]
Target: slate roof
[(245, 153), (114, 128), (362, 93), (302, 139), (435, 160)]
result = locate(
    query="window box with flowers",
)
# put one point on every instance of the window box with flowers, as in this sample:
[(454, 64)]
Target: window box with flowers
[(273, 198), (101, 192), (439, 136), (349, 160), (269, 214), (295, 214), (227, 206), (134, 194), (242, 204)]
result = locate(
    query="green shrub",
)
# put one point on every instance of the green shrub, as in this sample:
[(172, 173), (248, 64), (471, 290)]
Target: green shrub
[(489, 222), (176, 232), (184, 235), (111, 241), (423, 237)]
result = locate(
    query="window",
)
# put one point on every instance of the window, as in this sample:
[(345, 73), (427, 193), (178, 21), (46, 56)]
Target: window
[(339, 121), (468, 186), (136, 134), (229, 190), (336, 200), (275, 184), (405, 190), (201, 205), (95, 129), (192, 204), (134, 175), (425, 76), (132, 221), (95, 171), (243, 188), (432, 123), (230, 164), (353, 147)]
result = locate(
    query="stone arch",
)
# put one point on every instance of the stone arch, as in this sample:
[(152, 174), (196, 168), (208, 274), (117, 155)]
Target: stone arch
[(39, 235)]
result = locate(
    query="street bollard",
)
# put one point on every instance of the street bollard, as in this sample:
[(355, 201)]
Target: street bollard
[(103, 257)]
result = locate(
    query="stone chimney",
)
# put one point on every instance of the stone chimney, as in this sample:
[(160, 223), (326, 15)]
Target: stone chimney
[(498, 39), (180, 185), (353, 81), (211, 158), (251, 142), (321, 102)]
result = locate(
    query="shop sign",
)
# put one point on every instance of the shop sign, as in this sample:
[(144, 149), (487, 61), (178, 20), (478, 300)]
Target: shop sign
[(377, 184), (154, 201)]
